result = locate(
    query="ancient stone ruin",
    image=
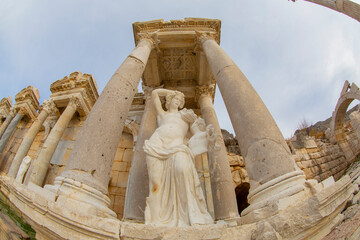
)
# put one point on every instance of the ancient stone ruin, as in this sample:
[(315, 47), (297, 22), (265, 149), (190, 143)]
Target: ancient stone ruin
[(82, 165)]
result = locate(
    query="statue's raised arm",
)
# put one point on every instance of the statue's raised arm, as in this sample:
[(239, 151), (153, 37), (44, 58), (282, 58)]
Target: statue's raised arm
[(168, 94)]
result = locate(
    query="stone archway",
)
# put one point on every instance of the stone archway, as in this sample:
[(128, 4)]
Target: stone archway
[(348, 94)]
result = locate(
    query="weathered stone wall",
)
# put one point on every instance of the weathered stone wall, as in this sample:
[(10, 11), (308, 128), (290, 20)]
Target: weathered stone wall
[(321, 160), (120, 174)]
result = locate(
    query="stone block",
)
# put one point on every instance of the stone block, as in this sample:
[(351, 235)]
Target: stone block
[(119, 154), (122, 179), (308, 172), (307, 164), (61, 149), (300, 165), (128, 155), (119, 204), (119, 166), (312, 150), (117, 190), (315, 155), (126, 141), (114, 178), (310, 143)]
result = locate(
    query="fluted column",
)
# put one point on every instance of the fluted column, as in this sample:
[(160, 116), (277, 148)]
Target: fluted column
[(272, 170), (7, 121), (138, 184), (41, 164), (48, 107), (225, 205), (89, 164), (10, 129)]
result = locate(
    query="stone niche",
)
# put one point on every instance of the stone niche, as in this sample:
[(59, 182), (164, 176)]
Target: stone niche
[(177, 61)]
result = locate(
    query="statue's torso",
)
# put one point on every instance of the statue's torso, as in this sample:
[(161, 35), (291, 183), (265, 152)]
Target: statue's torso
[(171, 131)]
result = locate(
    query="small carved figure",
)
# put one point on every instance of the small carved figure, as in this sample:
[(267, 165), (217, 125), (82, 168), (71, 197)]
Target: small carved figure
[(175, 198), (22, 169), (48, 125)]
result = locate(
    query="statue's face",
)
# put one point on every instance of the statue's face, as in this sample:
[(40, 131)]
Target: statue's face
[(176, 101)]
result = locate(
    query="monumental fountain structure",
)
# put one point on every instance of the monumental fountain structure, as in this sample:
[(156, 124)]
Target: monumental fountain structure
[(76, 167)]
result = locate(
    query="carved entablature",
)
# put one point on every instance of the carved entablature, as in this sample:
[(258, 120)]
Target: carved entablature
[(27, 102), (177, 61), (81, 86), (189, 25), (5, 105)]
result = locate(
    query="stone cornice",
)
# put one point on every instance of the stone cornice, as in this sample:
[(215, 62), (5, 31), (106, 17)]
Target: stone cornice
[(81, 86), (28, 101)]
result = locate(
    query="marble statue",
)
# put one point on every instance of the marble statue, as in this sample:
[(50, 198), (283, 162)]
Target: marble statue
[(175, 198), (22, 169)]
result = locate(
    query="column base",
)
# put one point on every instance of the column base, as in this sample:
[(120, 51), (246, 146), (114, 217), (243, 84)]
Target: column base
[(81, 197), (267, 199)]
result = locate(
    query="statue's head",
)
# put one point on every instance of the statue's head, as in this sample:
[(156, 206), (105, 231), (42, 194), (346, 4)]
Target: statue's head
[(172, 95)]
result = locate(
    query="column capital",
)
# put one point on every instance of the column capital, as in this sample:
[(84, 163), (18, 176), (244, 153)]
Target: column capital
[(152, 37), (205, 90), (12, 111), (22, 111), (202, 36), (49, 106), (75, 102)]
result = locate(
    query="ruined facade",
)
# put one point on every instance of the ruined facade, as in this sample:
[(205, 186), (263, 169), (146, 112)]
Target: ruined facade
[(87, 178)]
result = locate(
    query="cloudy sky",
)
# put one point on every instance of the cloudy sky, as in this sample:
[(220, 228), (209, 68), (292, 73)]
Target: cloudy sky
[(296, 55)]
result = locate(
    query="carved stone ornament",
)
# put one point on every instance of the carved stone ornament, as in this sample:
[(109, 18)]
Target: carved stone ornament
[(152, 37), (203, 36), (13, 112), (208, 90), (49, 106), (75, 101), (22, 111)]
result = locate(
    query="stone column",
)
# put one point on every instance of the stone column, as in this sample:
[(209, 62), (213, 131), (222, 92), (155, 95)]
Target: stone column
[(225, 205), (272, 170), (10, 129), (89, 164), (138, 184), (48, 107), (41, 164), (7, 121)]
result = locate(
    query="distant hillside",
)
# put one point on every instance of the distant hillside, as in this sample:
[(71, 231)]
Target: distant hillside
[(321, 126)]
